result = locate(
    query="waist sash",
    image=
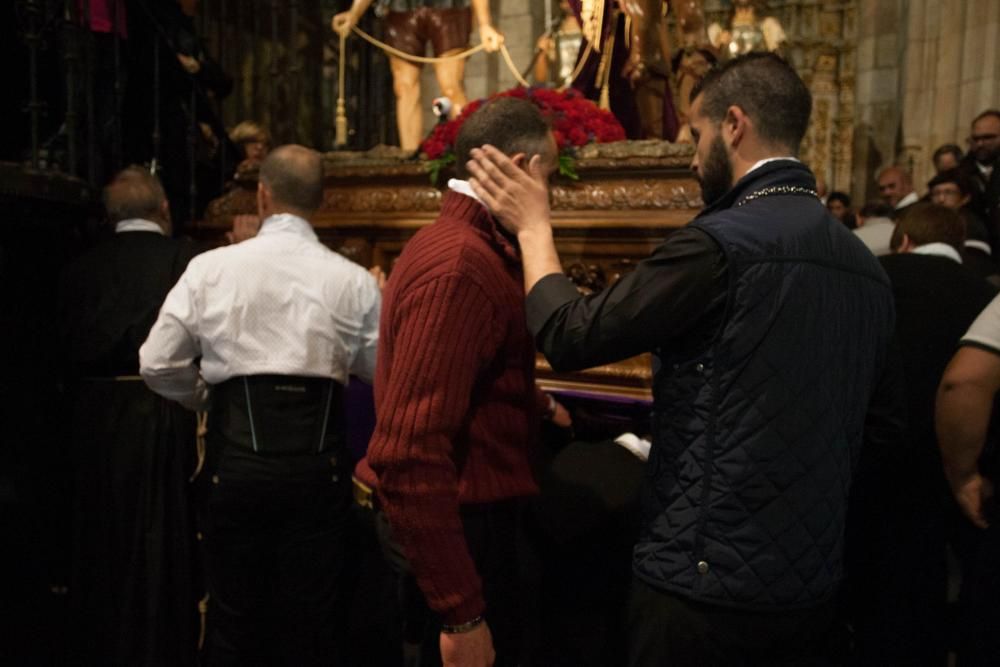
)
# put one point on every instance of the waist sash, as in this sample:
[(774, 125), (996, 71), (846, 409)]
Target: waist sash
[(280, 414)]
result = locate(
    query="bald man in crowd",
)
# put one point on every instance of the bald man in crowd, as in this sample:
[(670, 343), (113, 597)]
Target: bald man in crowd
[(133, 584), (266, 332), (896, 188)]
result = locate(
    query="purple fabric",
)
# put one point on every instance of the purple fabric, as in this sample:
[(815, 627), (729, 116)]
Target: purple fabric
[(359, 415)]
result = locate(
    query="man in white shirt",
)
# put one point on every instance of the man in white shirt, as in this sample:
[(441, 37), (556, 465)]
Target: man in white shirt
[(896, 188), (265, 334), (875, 227), (965, 406)]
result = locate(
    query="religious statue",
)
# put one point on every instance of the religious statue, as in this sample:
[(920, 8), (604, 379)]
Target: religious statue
[(626, 54), (410, 25), (745, 32), (557, 50)]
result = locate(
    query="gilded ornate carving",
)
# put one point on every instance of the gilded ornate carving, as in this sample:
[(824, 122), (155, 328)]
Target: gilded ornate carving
[(647, 193), (381, 199)]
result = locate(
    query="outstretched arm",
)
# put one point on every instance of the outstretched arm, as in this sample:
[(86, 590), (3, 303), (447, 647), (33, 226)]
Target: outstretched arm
[(490, 36), (964, 407)]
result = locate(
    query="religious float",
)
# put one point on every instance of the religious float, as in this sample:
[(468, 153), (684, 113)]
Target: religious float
[(613, 202)]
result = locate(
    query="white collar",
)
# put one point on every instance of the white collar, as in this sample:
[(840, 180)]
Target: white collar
[(287, 223), (911, 198), (979, 245), (938, 249), (463, 188), (761, 163), (638, 446), (138, 225), (985, 169)]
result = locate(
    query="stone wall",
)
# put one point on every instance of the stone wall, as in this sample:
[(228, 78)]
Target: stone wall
[(951, 74), (925, 68)]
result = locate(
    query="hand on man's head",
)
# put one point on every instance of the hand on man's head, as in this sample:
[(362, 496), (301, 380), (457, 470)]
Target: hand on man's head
[(517, 197)]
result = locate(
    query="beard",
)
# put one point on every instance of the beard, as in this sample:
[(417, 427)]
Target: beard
[(716, 176), (986, 155)]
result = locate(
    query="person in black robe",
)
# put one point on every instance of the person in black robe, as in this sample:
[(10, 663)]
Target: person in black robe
[(133, 584), (904, 513)]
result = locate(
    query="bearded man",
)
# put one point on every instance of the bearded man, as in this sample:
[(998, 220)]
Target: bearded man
[(769, 324)]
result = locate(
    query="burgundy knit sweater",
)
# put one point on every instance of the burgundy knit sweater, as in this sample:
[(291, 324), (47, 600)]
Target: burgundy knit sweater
[(455, 404)]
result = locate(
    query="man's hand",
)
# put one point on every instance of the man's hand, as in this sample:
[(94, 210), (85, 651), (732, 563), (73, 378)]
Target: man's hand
[(379, 275), (971, 493), (343, 22), (468, 649), (244, 227), (190, 65), (519, 200), (561, 416), (491, 38)]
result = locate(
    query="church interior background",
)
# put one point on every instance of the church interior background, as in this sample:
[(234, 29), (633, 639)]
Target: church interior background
[(891, 81)]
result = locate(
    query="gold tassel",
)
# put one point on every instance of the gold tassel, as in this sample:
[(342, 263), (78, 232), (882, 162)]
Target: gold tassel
[(203, 613), (341, 123), (199, 443)]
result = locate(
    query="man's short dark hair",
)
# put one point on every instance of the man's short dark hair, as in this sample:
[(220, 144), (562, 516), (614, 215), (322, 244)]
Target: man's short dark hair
[(509, 124), (842, 197), (927, 223), (294, 175), (768, 90), (956, 176), (947, 149), (134, 193)]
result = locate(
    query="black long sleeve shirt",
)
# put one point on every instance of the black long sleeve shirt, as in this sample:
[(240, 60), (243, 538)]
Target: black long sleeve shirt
[(676, 297)]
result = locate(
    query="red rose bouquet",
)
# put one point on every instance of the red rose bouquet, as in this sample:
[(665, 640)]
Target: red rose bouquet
[(575, 121)]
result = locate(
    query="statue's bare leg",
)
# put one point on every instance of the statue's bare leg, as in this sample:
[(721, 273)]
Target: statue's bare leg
[(449, 77), (409, 115)]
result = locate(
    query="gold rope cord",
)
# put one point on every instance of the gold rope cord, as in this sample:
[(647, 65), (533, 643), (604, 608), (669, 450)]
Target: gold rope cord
[(199, 443)]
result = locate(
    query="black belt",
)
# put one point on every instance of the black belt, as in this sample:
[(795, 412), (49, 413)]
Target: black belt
[(279, 414)]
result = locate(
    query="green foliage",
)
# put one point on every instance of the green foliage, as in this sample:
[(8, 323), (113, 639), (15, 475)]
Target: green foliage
[(567, 166), (438, 164)]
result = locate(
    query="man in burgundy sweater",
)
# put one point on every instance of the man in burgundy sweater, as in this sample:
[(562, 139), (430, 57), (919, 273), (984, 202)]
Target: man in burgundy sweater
[(455, 404)]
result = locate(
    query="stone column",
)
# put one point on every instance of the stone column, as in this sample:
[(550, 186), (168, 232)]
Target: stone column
[(951, 74), (881, 43)]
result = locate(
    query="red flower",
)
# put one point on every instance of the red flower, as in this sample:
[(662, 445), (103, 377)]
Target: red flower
[(575, 120)]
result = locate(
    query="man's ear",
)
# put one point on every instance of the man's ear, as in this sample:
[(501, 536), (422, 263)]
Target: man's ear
[(735, 125), (263, 197), (906, 245)]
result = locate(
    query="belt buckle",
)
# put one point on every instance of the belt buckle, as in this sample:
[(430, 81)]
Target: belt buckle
[(364, 496)]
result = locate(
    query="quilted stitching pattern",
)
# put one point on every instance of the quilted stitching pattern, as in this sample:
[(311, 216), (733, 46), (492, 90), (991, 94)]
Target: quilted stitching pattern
[(810, 312)]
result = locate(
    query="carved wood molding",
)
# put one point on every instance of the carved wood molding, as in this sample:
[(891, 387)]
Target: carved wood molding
[(366, 195)]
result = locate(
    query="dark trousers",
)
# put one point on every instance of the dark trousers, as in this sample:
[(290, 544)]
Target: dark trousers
[(978, 632), (275, 542), (669, 630), (493, 535)]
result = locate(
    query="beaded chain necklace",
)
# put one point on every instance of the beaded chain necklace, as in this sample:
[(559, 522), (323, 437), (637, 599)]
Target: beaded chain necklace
[(778, 190)]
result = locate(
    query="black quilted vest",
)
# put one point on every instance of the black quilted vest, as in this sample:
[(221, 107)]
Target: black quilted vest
[(756, 436)]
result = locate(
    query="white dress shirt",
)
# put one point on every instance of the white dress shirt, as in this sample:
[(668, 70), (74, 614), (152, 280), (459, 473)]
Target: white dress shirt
[(279, 303), (876, 233), (908, 200)]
